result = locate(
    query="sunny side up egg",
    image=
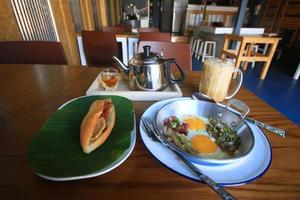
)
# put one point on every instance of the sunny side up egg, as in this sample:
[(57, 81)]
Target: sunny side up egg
[(199, 139)]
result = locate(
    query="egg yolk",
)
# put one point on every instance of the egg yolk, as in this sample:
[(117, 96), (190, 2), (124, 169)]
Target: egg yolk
[(203, 144), (194, 123)]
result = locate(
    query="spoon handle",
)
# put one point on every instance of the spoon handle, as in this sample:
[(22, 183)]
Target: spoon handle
[(273, 129), (277, 131)]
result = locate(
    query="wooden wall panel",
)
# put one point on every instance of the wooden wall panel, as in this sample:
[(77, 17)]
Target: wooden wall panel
[(109, 12), (102, 12), (118, 11), (270, 15), (113, 12), (8, 25), (65, 29), (87, 15)]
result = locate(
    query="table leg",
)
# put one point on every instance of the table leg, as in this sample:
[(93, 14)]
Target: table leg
[(265, 70), (81, 51), (248, 50), (268, 62), (225, 47), (239, 57), (132, 47), (297, 73), (123, 40)]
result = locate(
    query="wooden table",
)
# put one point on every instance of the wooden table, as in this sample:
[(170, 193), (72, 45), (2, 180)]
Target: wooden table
[(30, 93), (243, 54)]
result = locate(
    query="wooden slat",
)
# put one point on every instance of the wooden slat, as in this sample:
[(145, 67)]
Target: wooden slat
[(292, 9), (8, 30), (270, 14), (118, 11), (231, 53), (102, 12), (113, 12), (87, 15), (64, 25)]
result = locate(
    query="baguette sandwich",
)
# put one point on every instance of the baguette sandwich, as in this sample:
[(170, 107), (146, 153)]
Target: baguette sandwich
[(97, 125)]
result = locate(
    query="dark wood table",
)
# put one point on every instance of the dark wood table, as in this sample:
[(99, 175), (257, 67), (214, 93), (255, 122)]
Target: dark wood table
[(30, 93)]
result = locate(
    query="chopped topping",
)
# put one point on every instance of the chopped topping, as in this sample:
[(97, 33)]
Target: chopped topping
[(174, 124), (225, 137)]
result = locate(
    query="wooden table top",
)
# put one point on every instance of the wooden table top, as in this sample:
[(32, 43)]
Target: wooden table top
[(30, 93)]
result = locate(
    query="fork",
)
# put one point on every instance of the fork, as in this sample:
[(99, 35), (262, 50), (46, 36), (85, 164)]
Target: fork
[(154, 134)]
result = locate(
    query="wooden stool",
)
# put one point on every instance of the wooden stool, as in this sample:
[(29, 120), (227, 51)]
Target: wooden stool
[(204, 48), (243, 54), (211, 47)]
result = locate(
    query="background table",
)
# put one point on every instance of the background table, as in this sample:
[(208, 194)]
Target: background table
[(240, 54), (29, 94)]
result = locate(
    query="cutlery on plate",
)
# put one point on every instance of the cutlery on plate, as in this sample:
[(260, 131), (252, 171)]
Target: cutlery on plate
[(154, 134), (277, 131)]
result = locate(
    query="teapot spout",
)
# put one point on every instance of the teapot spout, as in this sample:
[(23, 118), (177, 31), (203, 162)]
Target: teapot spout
[(121, 65)]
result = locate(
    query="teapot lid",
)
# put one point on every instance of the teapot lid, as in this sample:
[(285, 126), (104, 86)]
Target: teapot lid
[(147, 57)]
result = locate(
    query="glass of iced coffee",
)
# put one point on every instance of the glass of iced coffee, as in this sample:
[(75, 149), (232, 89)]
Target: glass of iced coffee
[(216, 78)]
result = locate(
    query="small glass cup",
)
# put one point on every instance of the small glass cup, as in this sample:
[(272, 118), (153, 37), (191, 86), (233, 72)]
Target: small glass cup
[(109, 79)]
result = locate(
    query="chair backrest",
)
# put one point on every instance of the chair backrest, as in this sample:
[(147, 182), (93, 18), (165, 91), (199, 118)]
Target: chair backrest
[(99, 47), (155, 36), (151, 29), (179, 51), (114, 29), (127, 27), (32, 52)]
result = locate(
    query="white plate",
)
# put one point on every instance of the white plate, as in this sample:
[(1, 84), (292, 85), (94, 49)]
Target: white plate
[(106, 169), (245, 170)]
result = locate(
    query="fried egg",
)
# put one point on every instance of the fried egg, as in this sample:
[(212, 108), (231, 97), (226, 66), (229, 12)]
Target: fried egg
[(195, 123), (203, 144), (197, 140)]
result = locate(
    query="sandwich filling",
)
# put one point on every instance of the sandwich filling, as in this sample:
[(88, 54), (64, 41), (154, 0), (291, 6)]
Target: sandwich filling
[(101, 124)]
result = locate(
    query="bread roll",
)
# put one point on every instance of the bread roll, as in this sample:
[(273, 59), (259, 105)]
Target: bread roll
[(97, 125)]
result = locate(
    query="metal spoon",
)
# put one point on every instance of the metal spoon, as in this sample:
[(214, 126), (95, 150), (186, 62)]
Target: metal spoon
[(277, 131)]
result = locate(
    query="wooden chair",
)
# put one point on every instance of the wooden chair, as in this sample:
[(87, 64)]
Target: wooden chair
[(127, 27), (99, 47), (179, 51), (150, 29), (114, 29), (32, 52), (155, 36)]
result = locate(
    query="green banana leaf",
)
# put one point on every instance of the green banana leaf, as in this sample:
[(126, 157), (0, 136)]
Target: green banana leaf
[(56, 150)]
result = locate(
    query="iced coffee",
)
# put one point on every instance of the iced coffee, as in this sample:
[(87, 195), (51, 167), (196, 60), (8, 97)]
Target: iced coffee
[(216, 78)]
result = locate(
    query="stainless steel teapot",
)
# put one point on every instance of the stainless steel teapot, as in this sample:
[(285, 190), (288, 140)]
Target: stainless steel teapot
[(150, 71)]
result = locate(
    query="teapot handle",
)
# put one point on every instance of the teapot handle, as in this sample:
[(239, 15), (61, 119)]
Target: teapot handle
[(168, 74)]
